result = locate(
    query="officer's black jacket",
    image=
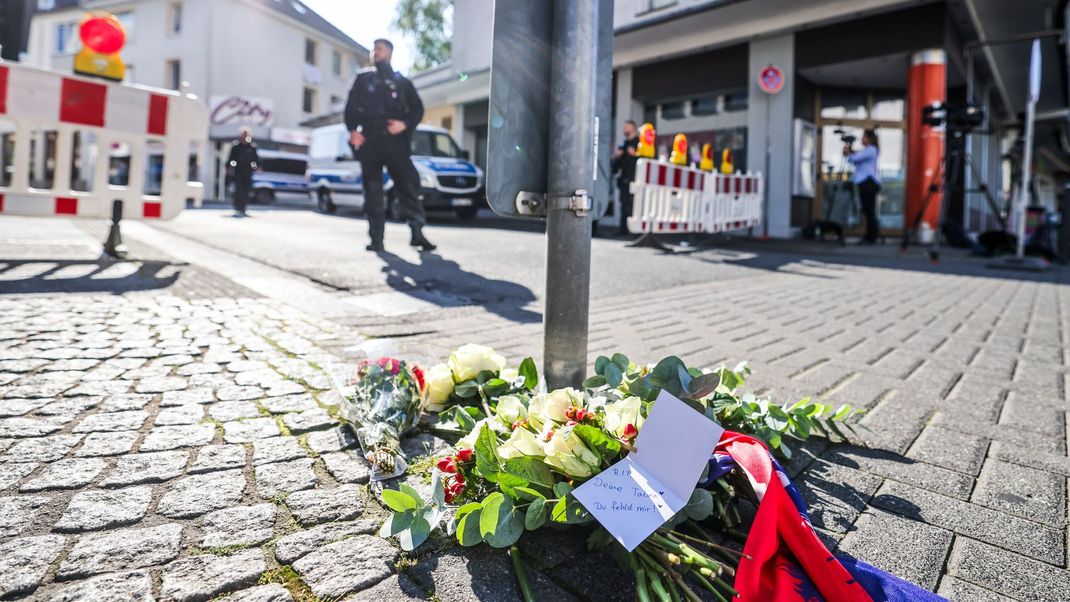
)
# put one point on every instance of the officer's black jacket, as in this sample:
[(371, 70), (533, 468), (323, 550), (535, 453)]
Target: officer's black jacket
[(381, 94), (243, 157)]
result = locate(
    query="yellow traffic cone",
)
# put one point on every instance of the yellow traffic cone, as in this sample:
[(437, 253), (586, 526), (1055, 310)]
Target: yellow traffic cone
[(679, 150), (646, 141)]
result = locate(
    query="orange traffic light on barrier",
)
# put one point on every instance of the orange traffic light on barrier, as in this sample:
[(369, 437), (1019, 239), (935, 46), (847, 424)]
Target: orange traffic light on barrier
[(727, 164), (102, 38), (646, 141), (679, 150), (707, 158)]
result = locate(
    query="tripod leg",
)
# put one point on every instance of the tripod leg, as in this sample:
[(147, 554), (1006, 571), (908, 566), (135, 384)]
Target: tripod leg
[(913, 229), (991, 200), (949, 181)]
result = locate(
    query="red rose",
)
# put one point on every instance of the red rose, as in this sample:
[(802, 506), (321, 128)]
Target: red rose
[(389, 364), (464, 455), (447, 465), (630, 432), (418, 374)]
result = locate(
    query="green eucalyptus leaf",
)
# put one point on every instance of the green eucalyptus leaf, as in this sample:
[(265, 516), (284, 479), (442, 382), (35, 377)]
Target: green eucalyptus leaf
[(529, 494), (536, 514), (600, 364), (396, 523), (500, 523), (495, 387), (468, 527), (533, 471), (486, 452), (606, 447), (416, 534), (398, 501), (622, 361), (412, 493), (703, 386), (700, 505), (467, 389), (594, 382), (613, 375)]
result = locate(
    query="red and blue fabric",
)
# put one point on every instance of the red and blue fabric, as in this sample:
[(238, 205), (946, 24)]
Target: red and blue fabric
[(784, 559)]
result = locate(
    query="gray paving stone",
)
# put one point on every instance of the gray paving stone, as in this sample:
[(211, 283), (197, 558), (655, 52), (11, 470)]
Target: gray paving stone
[(225, 411), (277, 449), (161, 384), (332, 440), (106, 444), (191, 395), (475, 574), (263, 378), (951, 449), (272, 592), (173, 437), (893, 424), (20, 426), (98, 509), (65, 474), (125, 402), (347, 467), (1021, 491), (289, 403), (957, 590), (133, 586), (24, 562), (347, 566), (1007, 434), (18, 407), (397, 588), (1034, 458), (44, 449), (19, 513), (294, 546), (241, 525), (284, 477), (155, 467), (238, 393), (1020, 535), (917, 556), (325, 505), (112, 421), (122, 549), (283, 387), (894, 466), (835, 495), (218, 457), (1018, 576), (198, 494), (13, 473), (247, 431), (21, 364), (201, 577), (190, 413), (311, 420), (190, 369), (424, 444)]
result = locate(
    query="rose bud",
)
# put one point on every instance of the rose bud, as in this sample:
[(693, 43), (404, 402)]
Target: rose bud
[(447, 465), (519, 424), (630, 431), (571, 423), (464, 455)]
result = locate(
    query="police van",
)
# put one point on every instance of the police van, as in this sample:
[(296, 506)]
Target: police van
[(281, 176), (448, 180)]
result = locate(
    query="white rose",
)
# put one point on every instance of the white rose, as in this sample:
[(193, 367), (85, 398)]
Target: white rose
[(522, 443), (468, 361), (552, 406), (510, 409), (469, 440), (509, 375), (620, 414), (567, 453), (439, 387)]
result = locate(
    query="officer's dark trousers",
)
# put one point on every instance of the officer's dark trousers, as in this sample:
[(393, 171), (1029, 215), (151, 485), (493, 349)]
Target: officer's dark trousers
[(867, 193), (391, 152), (626, 200), (243, 187)]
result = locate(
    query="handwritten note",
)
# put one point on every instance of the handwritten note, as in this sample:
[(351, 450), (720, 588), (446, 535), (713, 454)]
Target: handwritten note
[(638, 494)]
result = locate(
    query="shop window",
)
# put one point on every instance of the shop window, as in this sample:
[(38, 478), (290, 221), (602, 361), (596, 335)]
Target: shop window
[(42, 158), (7, 152), (119, 164), (308, 101), (843, 104), (154, 152), (888, 108), (673, 110), (83, 161), (66, 38), (735, 101), (706, 105), (650, 114)]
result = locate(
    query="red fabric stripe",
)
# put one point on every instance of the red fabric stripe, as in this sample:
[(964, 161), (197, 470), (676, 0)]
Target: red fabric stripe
[(662, 173), (690, 180), (673, 226), (157, 115), (1, 203), (648, 177), (66, 206), (677, 176), (151, 210), (739, 185), (4, 71), (82, 102), (748, 185)]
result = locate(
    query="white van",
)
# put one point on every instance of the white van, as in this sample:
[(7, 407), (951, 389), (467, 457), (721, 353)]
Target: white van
[(281, 176), (448, 180)]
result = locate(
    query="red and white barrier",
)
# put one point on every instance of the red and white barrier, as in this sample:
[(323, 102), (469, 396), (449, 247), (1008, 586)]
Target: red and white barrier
[(671, 198), (70, 145)]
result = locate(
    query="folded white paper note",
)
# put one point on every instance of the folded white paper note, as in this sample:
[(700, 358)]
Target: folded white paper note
[(638, 494)]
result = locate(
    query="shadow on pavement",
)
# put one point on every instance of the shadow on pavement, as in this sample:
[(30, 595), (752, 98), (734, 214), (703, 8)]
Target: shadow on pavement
[(436, 273), (23, 276)]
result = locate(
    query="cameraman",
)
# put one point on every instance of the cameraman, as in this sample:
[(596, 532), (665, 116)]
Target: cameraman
[(867, 181)]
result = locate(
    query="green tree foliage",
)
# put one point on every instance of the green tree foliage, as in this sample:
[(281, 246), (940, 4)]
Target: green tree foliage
[(430, 23)]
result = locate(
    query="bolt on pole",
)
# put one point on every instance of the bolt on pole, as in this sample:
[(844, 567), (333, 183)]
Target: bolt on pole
[(571, 171)]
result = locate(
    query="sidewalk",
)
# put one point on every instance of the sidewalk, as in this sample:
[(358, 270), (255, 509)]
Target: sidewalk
[(177, 441)]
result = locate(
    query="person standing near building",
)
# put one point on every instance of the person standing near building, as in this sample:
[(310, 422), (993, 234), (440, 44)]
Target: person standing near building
[(381, 114), (867, 179), (624, 166), (241, 163)]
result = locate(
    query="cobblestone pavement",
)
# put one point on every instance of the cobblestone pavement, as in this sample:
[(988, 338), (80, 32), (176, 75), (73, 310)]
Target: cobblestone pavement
[(169, 445)]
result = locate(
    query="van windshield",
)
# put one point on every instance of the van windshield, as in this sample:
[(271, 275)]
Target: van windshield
[(287, 166), (434, 144)]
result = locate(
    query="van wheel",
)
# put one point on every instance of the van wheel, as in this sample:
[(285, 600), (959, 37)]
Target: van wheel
[(467, 213), (264, 196), (324, 202), (393, 207)]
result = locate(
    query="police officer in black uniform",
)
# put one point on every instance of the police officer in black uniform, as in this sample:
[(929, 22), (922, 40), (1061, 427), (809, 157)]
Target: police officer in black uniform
[(242, 162), (623, 164), (382, 113)]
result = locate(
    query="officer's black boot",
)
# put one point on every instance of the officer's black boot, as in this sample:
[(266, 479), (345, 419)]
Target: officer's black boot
[(376, 229), (419, 240)]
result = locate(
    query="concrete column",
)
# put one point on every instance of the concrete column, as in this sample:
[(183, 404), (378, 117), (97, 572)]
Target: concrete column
[(769, 126), (627, 107), (926, 85)]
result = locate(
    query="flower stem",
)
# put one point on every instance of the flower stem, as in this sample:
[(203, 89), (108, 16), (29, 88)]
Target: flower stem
[(521, 574)]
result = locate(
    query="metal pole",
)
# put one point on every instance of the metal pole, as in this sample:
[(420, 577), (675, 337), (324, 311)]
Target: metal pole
[(571, 169), (768, 161), (1027, 154)]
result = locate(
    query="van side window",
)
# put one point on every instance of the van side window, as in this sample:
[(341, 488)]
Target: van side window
[(83, 160), (153, 168), (42, 158), (7, 152), (119, 164)]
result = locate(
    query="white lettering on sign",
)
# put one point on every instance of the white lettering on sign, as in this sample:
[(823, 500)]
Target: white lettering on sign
[(242, 110), (637, 495)]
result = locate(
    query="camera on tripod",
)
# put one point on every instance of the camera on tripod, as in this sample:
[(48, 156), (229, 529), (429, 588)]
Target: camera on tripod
[(844, 136), (957, 118)]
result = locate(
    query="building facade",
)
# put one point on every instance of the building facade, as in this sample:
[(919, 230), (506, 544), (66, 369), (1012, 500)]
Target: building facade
[(692, 66), (266, 64)]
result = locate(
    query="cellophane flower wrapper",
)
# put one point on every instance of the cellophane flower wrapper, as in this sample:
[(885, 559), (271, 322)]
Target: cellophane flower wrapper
[(381, 402)]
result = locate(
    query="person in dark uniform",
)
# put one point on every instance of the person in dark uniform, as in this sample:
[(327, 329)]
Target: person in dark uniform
[(382, 112), (241, 164), (624, 166)]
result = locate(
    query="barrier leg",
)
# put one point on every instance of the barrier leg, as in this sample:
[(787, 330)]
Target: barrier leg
[(114, 247), (648, 240)]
